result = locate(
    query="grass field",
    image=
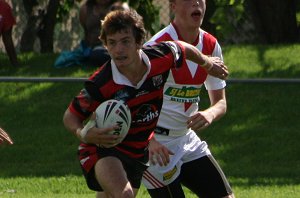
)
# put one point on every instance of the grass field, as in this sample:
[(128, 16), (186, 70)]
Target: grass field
[(256, 143)]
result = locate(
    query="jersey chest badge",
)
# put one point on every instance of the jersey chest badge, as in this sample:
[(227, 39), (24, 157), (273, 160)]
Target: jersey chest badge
[(157, 80)]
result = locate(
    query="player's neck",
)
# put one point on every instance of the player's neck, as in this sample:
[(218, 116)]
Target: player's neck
[(187, 34), (135, 72)]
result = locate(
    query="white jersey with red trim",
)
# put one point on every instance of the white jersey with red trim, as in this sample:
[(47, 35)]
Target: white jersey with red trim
[(183, 86)]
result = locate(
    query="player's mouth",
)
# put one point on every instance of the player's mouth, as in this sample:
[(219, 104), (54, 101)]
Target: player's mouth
[(120, 58), (196, 15)]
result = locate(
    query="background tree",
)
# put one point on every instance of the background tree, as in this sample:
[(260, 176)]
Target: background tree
[(149, 12), (275, 19), (255, 21), (42, 17), (33, 20), (232, 21)]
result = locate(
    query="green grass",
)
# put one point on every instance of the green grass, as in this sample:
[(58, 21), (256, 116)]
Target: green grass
[(252, 61), (256, 143)]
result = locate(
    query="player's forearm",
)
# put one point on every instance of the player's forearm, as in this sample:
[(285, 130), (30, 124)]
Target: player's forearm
[(218, 110), (71, 122), (195, 55)]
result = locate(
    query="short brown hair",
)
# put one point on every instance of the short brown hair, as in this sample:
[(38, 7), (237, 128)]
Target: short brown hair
[(119, 20)]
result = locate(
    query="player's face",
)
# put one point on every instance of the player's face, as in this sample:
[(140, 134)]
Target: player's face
[(189, 12), (122, 48)]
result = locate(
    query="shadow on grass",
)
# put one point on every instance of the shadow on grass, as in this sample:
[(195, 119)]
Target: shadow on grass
[(268, 63), (33, 117), (263, 61), (258, 138)]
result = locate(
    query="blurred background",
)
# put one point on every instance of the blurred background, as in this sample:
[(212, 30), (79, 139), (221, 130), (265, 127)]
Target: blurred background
[(48, 26)]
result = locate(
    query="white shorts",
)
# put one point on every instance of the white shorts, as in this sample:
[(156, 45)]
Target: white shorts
[(186, 148)]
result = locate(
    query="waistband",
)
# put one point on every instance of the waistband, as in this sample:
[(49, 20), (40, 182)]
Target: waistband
[(167, 132)]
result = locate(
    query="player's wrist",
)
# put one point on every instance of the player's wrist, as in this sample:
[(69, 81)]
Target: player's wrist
[(208, 65), (78, 134), (213, 115), (81, 132)]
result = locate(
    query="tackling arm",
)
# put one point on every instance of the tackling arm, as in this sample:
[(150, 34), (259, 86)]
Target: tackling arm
[(213, 65)]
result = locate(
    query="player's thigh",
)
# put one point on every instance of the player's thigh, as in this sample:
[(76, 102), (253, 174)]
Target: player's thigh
[(110, 174), (205, 178), (172, 190), (101, 195)]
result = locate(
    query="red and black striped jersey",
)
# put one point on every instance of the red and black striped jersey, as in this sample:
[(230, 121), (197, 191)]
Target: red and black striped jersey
[(144, 100)]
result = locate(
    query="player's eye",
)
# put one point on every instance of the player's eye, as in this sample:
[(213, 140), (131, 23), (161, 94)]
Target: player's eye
[(111, 43), (126, 42)]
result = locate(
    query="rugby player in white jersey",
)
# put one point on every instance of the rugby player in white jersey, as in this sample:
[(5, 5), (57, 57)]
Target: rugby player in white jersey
[(192, 164)]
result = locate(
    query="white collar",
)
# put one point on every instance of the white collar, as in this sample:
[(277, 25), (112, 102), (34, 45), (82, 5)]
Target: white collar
[(119, 78)]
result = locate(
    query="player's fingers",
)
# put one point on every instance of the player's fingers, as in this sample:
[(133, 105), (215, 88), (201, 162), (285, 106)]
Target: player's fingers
[(160, 159), (2, 140), (219, 70), (220, 73), (192, 118), (4, 136), (164, 158), (170, 152), (153, 159), (195, 122)]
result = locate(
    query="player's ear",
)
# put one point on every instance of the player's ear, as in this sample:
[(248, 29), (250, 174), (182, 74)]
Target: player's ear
[(171, 5)]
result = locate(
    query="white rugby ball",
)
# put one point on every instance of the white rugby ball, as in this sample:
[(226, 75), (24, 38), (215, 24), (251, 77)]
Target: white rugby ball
[(114, 112)]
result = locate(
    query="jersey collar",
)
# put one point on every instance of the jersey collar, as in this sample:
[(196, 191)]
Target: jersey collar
[(181, 38), (119, 78)]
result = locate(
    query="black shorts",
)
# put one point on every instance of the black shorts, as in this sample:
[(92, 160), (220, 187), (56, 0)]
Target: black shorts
[(90, 154), (202, 176)]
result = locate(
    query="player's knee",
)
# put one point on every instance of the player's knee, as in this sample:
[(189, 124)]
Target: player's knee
[(127, 192)]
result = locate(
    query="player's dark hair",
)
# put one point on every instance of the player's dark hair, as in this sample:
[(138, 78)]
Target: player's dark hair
[(120, 20)]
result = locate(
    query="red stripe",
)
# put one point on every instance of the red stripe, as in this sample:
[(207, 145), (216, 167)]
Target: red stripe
[(152, 180), (130, 154), (74, 111), (92, 156), (209, 43)]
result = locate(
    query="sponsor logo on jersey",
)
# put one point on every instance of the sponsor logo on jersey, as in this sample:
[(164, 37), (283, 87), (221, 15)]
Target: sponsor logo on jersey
[(168, 175), (146, 114), (184, 94)]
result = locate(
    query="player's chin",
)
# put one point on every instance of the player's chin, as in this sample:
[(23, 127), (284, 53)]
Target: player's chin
[(194, 22), (121, 60)]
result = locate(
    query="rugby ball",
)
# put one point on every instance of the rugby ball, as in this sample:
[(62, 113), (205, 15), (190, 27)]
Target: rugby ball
[(114, 112)]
